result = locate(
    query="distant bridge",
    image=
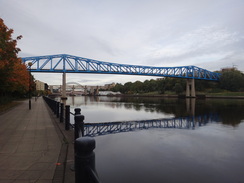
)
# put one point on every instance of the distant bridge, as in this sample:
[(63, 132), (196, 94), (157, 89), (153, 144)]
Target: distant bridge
[(97, 129), (64, 63)]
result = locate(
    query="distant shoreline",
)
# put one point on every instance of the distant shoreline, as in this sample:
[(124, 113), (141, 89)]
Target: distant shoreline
[(181, 96), (166, 96)]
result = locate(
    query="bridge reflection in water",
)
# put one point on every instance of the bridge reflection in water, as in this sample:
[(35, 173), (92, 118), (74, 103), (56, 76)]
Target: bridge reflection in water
[(191, 122)]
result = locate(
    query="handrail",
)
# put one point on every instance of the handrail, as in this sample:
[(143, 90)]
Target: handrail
[(84, 163), (60, 110)]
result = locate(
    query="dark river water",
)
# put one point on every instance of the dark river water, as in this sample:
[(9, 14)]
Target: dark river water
[(210, 148)]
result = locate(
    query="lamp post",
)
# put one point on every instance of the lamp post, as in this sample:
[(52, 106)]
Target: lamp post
[(29, 64)]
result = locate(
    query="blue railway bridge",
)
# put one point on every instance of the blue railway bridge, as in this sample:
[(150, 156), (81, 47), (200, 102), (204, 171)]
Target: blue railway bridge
[(64, 63)]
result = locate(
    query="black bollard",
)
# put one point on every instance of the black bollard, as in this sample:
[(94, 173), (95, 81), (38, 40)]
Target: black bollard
[(77, 111), (57, 108), (61, 119), (79, 125), (85, 160), (67, 117), (29, 103), (54, 105)]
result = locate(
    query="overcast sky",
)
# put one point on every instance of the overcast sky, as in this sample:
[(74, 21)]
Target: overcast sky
[(204, 33)]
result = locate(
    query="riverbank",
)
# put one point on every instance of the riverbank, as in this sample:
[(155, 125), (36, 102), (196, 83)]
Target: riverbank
[(181, 96), (225, 97)]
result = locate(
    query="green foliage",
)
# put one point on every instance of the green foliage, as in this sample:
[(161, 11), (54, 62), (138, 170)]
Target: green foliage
[(231, 80), (118, 88), (178, 88), (159, 86)]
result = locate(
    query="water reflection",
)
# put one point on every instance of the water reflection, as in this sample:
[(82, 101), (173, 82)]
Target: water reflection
[(97, 129), (230, 112), (158, 150)]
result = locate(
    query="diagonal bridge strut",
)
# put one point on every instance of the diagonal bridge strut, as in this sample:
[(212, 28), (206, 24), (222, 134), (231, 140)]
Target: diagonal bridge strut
[(64, 63)]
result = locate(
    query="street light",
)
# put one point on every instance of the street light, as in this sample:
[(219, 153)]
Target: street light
[(29, 64)]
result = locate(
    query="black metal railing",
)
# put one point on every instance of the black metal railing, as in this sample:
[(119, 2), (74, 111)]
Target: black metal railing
[(62, 112), (84, 156)]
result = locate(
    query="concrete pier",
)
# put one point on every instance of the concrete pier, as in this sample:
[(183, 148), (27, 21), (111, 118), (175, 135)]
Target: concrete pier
[(64, 97), (190, 88)]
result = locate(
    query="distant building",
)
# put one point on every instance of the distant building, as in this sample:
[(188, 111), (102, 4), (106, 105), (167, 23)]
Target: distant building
[(81, 90), (108, 86), (40, 86)]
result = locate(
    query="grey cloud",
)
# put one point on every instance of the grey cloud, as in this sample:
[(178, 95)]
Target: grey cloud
[(205, 42), (158, 32)]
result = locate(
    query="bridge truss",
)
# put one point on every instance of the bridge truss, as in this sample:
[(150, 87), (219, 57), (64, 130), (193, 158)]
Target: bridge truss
[(97, 129), (64, 63)]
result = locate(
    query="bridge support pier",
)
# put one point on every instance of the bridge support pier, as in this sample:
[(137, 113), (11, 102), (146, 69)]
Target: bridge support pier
[(190, 88), (64, 97)]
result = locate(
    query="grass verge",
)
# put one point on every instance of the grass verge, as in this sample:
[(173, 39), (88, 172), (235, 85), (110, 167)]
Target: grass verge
[(7, 106)]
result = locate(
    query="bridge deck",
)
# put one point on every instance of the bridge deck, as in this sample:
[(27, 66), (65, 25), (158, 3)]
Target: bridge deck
[(72, 64)]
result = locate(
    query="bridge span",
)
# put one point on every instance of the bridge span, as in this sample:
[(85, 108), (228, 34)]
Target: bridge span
[(97, 129), (64, 63)]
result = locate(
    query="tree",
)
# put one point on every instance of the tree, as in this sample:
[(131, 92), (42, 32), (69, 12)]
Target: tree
[(161, 86), (128, 87), (232, 80), (146, 86), (14, 76), (118, 88), (137, 87), (178, 88)]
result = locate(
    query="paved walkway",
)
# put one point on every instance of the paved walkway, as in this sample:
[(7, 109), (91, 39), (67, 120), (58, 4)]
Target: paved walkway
[(30, 145)]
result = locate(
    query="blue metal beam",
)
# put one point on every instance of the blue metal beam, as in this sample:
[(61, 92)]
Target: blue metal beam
[(73, 64)]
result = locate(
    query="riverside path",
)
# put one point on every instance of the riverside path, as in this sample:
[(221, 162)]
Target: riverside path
[(30, 145)]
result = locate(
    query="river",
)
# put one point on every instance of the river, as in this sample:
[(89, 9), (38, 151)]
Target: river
[(211, 150)]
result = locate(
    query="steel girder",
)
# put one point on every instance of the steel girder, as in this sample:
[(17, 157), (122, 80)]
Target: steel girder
[(73, 64), (97, 129)]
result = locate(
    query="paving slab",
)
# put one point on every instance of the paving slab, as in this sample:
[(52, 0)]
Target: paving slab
[(30, 144)]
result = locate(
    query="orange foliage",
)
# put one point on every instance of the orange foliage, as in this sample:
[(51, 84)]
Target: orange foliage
[(14, 77), (20, 78)]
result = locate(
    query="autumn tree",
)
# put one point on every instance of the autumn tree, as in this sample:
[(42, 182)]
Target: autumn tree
[(14, 76)]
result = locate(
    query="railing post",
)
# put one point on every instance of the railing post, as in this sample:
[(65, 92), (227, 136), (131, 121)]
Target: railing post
[(77, 111), (79, 125), (57, 109), (61, 119), (67, 117), (85, 160), (54, 106)]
